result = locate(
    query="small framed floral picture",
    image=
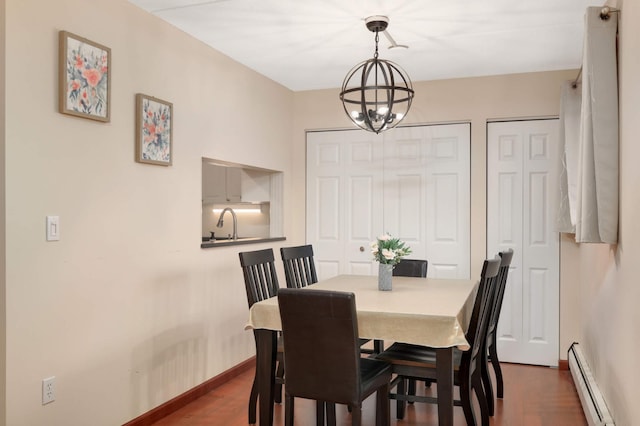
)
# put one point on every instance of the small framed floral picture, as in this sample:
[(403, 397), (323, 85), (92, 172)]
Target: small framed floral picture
[(154, 130), (85, 77)]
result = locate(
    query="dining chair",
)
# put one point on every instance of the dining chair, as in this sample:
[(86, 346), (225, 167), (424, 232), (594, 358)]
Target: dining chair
[(320, 330), (411, 268), (419, 362), (408, 268), (261, 283), (299, 266), (491, 353), (300, 271)]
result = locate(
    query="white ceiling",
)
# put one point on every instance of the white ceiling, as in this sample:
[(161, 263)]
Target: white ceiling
[(312, 44)]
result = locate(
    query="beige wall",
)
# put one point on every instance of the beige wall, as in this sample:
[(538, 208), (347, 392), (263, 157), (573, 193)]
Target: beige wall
[(125, 310), (3, 228)]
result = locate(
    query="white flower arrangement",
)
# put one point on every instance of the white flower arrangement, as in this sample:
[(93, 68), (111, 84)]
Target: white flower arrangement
[(389, 250)]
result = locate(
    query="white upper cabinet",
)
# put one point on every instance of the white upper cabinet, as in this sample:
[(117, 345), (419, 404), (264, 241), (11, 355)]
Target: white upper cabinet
[(221, 184)]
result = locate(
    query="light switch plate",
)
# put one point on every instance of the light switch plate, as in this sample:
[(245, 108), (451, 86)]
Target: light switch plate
[(53, 228)]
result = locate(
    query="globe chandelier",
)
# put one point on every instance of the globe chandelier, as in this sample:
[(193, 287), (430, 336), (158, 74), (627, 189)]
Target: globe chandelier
[(376, 94)]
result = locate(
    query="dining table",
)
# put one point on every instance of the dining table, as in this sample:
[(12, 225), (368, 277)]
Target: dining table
[(424, 311)]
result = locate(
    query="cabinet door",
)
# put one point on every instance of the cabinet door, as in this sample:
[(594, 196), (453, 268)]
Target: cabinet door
[(221, 184), (213, 183), (233, 186)]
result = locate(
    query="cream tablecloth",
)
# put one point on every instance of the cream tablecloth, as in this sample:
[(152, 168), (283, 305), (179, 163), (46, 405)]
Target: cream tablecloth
[(433, 312)]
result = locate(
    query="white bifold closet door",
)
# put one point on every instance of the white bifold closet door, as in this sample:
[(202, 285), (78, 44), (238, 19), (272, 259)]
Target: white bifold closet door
[(521, 212), (412, 182)]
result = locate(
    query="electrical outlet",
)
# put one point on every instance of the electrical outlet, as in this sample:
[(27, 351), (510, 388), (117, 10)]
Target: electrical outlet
[(48, 390)]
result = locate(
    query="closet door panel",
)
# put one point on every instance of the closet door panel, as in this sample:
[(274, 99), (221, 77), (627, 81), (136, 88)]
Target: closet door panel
[(448, 165), (412, 182), (520, 214)]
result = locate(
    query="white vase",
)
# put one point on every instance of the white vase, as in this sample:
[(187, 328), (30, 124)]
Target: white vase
[(385, 271)]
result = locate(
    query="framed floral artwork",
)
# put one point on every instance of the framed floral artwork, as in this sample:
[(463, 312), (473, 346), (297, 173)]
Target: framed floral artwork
[(85, 77), (154, 130)]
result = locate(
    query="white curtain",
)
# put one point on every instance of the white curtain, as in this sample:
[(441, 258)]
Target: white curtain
[(591, 183), (569, 145)]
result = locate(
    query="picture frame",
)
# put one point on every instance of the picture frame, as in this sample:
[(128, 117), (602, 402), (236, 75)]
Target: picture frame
[(154, 130), (84, 78)]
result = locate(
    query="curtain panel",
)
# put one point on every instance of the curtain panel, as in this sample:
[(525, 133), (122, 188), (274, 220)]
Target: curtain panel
[(569, 146), (588, 198)]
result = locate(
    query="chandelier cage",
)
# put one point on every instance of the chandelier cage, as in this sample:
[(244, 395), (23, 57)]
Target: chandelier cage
[(376, 94)]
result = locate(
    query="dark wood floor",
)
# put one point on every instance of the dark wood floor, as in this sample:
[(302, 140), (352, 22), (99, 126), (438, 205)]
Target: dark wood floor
[(534, 396)]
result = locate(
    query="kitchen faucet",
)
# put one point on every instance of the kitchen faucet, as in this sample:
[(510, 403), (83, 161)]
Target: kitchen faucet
[(235, 221)]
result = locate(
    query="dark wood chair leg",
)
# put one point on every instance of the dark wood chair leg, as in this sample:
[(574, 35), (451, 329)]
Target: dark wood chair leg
[(288, 410), (383, 414), (401, 405), (320, 413), (493, 354), (265, 373), (486, 382), (378, 346), (278, 389), (465, 399), (356, 416), (476, 381), (412, 389), (331, 413), (253, 401)]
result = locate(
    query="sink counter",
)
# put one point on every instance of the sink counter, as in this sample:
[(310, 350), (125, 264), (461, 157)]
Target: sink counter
[(240, 241)]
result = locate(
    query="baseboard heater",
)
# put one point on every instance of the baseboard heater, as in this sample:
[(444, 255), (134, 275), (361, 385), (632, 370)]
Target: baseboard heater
[(593, 404)]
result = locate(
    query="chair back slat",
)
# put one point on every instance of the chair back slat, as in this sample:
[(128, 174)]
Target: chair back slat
[(299, 266), (260, 277)]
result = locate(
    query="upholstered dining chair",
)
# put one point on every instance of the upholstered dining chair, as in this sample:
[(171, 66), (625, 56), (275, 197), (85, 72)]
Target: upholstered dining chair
[(492, 333), (320, 330), (261, 282), (419, 362), (300, 271)]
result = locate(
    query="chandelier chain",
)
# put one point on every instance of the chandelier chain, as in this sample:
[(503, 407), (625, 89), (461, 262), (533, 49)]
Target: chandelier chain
[(375, 55)]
